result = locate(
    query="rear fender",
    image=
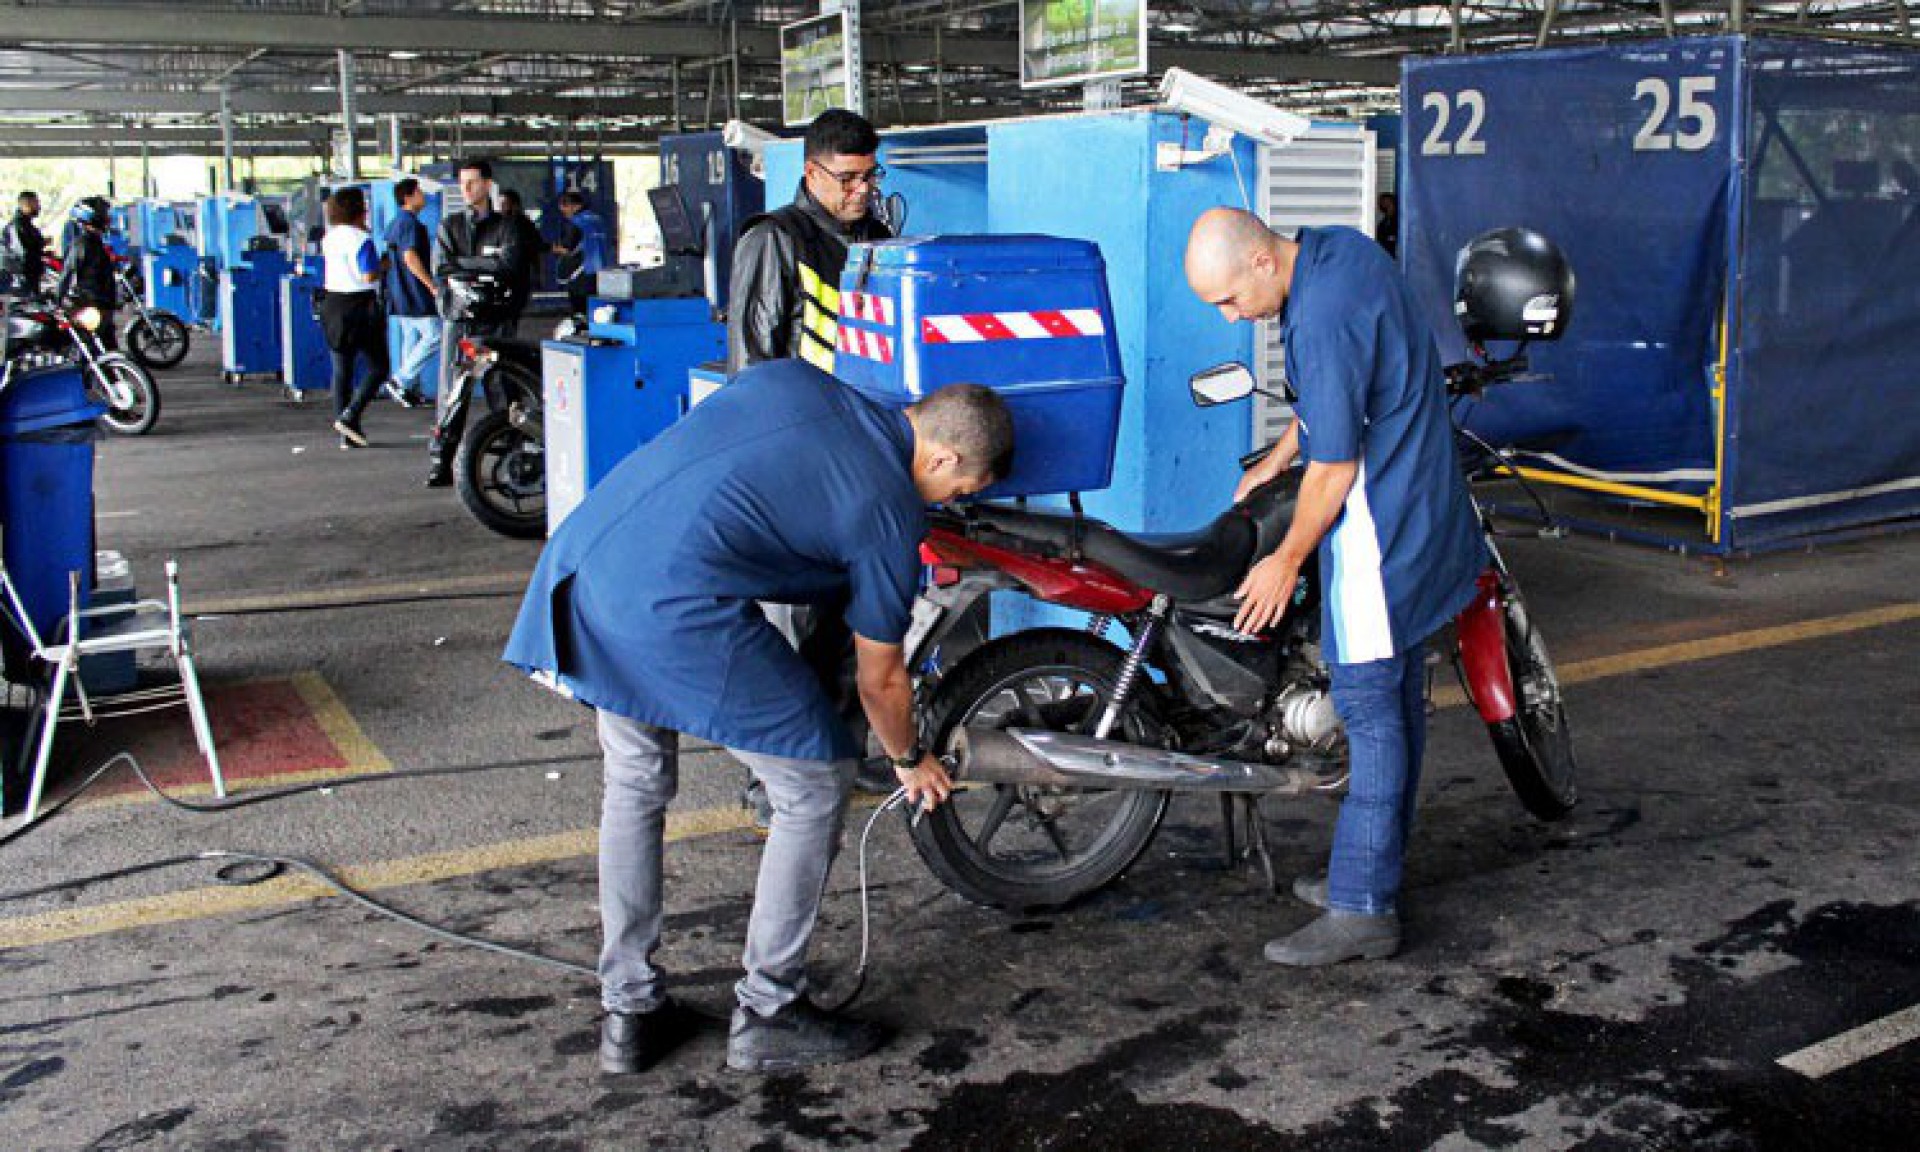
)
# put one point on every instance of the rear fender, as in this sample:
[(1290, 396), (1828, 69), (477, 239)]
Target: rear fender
[(1481, 628)]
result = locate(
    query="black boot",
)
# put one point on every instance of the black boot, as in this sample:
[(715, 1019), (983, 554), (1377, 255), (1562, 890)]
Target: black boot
[(800, 1035), (636, 1041)]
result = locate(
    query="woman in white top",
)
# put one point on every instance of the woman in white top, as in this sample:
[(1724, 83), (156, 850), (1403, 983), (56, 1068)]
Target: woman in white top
[(351, 317)]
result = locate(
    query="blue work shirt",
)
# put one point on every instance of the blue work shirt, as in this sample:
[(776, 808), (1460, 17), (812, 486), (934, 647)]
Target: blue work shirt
[(585, 239), (406, 296), (1402, 558), (784, 486)]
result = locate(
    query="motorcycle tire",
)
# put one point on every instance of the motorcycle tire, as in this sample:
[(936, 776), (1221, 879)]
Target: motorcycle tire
[(1008, 671), (158, 342), (494, 472), (1535, 745), (138, 417)]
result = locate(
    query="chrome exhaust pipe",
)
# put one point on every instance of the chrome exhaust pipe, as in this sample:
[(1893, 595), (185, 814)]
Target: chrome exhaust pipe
[(1034, 758)]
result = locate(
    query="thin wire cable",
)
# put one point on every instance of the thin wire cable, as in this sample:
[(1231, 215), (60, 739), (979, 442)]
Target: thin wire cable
[(893, 801)]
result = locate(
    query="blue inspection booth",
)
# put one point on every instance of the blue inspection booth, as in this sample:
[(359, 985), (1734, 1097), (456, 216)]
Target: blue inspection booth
[(630, 375), (250, 297), (1745, 232), (306, 367)]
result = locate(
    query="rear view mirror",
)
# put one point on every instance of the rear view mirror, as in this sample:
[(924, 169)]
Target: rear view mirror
[(1221, 384)]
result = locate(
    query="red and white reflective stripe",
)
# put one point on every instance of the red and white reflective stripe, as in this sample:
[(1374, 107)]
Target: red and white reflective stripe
[(975, 327), (866, 306), (866, 345)]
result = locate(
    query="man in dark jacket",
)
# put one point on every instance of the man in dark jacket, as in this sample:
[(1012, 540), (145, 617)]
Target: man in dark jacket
[(787, 263), (23, 249), (533, 248), (485, 241), (87, 279)]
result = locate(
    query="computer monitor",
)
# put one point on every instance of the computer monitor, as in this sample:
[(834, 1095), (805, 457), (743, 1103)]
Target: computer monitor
[(677, 230)]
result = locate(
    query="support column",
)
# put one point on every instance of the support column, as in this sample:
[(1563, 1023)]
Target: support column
[(226, 140), (348, 122)]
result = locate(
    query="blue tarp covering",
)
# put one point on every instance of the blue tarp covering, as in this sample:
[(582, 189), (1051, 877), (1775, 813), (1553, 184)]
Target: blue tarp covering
[(1690, 180)]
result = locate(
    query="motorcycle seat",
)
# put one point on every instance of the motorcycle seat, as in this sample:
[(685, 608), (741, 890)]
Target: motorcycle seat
[(1196, 565)]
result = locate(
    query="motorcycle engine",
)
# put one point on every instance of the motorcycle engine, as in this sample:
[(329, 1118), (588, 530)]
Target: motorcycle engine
[(1306, 718)]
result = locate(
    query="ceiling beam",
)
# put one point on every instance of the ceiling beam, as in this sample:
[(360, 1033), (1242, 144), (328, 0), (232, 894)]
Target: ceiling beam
[(177, 27), (256, 102)]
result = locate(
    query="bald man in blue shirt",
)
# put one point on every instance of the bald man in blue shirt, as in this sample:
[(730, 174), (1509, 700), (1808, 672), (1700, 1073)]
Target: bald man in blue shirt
[(1383, 505), (785, 486)]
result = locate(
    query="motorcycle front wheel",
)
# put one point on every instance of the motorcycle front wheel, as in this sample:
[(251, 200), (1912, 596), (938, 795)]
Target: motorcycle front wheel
[(158, 341), (132, 398), (1535, 745), (501, 475), (1017, 847)]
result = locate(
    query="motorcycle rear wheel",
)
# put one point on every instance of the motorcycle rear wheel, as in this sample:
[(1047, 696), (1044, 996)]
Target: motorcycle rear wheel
[(1024, 848), (160, 341), (500, 473), (1535, 745), (141, 411)]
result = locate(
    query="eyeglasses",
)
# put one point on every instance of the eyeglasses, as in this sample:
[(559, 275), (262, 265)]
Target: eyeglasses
[(871, 177)]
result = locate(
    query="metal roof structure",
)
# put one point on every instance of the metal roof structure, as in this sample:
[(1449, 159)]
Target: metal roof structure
[(80, 77)]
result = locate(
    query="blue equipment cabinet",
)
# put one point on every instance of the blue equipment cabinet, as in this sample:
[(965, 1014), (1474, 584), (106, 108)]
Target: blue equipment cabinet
[(617, 387), (250, 315), (717, 186), (1028, 316), (169, 271), (46, 494), (305, 365)]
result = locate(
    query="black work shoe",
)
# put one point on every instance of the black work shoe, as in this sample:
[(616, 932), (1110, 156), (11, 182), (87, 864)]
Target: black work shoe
[(440, 476), (636, 1041), (800, 1035), (350, 432), (1338, 936), (1311, 890)]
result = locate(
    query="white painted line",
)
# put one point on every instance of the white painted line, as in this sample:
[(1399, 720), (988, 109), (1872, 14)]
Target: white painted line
[(1863, 1043)]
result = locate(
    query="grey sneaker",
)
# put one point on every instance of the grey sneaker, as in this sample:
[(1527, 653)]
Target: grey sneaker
[(800, 1035), (1311, 890), (350, 432), (1338, 936)]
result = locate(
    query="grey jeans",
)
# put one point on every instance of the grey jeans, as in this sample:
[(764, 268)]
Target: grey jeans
[(642, 771)]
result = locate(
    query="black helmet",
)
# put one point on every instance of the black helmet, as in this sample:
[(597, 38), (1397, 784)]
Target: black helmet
[(94, 212), (1512, 284)]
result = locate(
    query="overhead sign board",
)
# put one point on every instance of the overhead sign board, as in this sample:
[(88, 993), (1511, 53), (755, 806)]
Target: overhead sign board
[(1076, 41), (816, 67)]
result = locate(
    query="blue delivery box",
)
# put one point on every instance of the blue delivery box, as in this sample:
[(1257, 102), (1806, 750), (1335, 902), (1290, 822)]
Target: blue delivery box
[(1027, 316)]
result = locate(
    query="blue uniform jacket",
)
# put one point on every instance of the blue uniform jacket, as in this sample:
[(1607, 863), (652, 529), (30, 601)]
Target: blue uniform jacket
[(784, 486)]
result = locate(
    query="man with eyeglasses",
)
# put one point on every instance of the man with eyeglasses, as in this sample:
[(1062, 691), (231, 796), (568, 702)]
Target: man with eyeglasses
[(786, 265), (786, 305)]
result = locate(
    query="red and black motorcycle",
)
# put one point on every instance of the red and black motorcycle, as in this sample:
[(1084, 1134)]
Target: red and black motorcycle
[(1069, 746)]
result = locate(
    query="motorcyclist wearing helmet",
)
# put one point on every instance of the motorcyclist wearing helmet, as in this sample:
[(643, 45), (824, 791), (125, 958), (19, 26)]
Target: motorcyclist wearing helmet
[(1384, 508), (87, 278)]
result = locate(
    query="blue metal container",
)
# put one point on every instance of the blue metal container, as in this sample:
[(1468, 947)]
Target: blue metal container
[(1028, 316), (305, 365), (169, 271), (250, 315), (46, 492)]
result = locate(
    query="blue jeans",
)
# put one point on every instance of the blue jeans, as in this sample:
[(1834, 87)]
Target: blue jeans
[(419, 349), (1383, 705)]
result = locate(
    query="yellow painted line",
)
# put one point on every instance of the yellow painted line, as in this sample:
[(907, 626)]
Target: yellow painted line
[(75, 923), (1713, 647), (224, 900), (354, 593), (359, 752)]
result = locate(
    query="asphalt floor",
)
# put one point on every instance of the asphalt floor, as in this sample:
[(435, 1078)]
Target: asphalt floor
[(1737, 886)]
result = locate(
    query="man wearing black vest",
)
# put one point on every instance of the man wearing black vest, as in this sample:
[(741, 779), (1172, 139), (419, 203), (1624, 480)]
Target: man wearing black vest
[(786, 265)]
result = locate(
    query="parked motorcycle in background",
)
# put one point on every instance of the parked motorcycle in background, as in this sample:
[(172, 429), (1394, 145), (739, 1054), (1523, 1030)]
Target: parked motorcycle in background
[(1070, 746), (154, 337), (37, 331), (500, 467)]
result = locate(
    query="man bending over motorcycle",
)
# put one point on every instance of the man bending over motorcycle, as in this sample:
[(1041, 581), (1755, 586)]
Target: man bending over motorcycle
[(785, 486), (1384, 505)]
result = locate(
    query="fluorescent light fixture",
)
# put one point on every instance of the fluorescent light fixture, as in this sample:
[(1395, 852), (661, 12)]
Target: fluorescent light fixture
[(1217, 104), (1179, 26), (402, 54)]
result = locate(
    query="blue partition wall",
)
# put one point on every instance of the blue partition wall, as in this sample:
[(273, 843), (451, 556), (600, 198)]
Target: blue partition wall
[(1734, 210)]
